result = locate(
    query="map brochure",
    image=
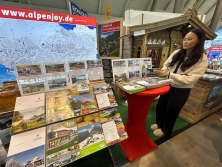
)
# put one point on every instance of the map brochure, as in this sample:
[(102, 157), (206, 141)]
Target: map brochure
[(27, 149), (130, 87), (84, 104), (58, 105), (56, 77), (133, 69), (29, 113), (104, 96), (95, 70), (145, 64), (91, 138), (62, 143), (119, 70), (154, 82), (77, 72), (30, 78)]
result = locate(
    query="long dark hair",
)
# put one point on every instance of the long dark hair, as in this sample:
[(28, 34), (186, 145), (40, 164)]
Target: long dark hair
[(194, 56)]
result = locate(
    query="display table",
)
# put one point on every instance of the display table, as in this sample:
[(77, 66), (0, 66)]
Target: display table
[(139, 143)]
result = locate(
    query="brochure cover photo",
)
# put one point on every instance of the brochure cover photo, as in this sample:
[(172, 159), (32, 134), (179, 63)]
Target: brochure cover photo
[(30, 153), (91, 137), (58, 105), (104, 96), (29, 112), (84, 104), (62, 145)]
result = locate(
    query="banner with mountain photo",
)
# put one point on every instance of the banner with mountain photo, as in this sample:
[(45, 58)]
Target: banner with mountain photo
[(109, 42)]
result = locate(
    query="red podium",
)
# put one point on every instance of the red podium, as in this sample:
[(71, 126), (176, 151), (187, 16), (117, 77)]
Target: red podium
[(139, 143)]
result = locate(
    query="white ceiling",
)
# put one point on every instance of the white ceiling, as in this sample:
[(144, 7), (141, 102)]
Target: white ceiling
[(206, 7)]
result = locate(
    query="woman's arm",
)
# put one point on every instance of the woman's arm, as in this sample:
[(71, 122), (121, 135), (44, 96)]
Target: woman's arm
[(193, 76), (169, 60)]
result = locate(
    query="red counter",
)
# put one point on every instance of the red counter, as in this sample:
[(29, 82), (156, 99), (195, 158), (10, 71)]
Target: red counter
[(139, 143)]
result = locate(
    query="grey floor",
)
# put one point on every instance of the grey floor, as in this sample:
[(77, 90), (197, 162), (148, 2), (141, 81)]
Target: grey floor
[(198, 146)]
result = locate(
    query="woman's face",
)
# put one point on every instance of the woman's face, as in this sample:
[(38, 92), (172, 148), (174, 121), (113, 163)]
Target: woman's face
[(190, 40)]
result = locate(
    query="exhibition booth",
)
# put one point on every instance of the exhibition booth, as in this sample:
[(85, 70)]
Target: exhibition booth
[(63, 77)]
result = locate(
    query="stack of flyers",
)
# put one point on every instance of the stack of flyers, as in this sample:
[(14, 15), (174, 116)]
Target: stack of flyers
[(91, 138), (84, 104), (55, 76), (145, 64), (133, 70), (29, 113), (119, 70), (104, 96), (27, 149), (62, 143), (113, 127), (77, 70), (95, 70), (58, 105), (30, 78)]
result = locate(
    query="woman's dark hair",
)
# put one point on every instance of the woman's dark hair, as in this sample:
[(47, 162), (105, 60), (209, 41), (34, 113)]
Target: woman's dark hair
[(194, 56)]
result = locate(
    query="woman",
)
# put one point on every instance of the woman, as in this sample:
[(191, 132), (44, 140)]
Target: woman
[(184, 67)]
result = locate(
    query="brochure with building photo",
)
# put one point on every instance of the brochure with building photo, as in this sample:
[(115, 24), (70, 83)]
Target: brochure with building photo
[(29, 113), (104, 96), (145, 64), (91, 138), (58, 105), (27, 149), (62, 143), (133, 69), (119, 70), (56, 77), (82, 88), (30, 78), (84, 104), (77, 72), (154, 82), (95, 70), (130, 87)]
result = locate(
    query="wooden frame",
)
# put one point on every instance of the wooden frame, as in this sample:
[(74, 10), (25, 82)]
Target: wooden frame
[(106, 52)]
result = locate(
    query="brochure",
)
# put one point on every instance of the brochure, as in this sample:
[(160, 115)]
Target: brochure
[(104, 96), (30, 78), (58, 105), (62, 143), (84, 104), (29, 113), (82, 88), (91, 138), (77, 71), (119, 70), (55, 76), (145, 64), (107, 70), (95, 70), (130, 87), (133, 69), (27, 149), (3, 154), (154, 82), (5, 136), (113, 127)]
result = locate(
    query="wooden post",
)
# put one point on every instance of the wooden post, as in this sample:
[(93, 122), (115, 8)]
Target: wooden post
[(144, 47)]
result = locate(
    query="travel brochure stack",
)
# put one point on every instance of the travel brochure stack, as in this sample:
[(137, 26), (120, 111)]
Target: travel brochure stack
[(136, 75), (61, 128)]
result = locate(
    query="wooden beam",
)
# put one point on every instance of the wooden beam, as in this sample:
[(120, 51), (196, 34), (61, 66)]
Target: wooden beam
[(201, 4), (149, 5), (127, 3), (99, 7), (169, 4)]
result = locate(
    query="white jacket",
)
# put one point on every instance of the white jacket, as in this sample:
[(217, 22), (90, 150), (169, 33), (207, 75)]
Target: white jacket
[(189, 77)]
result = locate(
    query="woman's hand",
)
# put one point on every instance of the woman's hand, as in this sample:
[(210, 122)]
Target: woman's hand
[(162, 73)]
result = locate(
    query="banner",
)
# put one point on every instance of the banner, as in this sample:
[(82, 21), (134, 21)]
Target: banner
[(108, 12), (109, 33), (76, 9), (215, 49)]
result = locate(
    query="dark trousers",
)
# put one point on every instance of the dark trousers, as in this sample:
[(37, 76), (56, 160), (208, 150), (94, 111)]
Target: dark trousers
[(168, 108)]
